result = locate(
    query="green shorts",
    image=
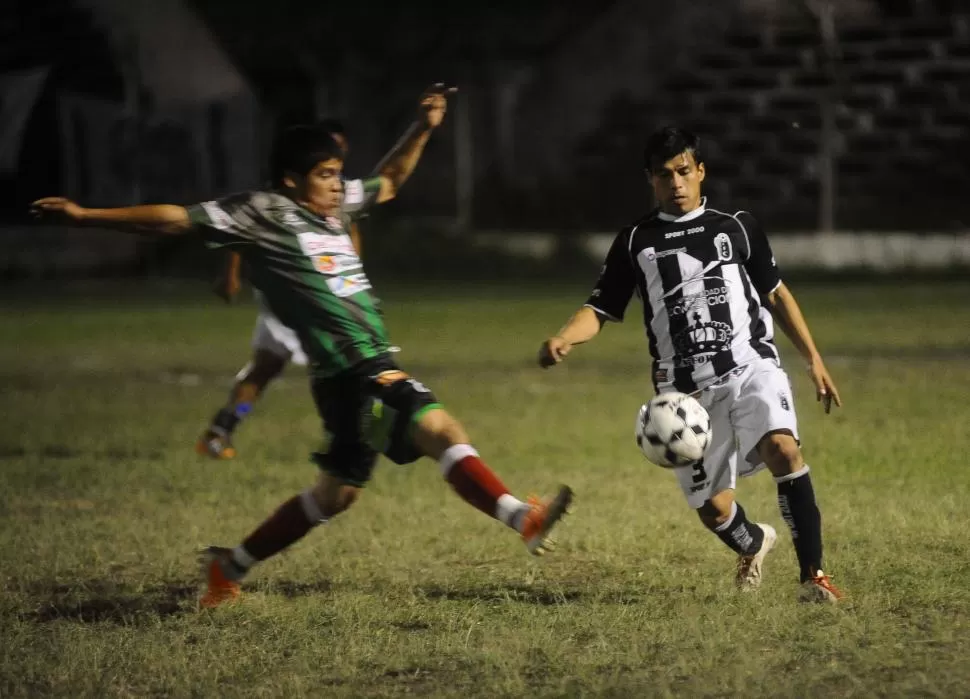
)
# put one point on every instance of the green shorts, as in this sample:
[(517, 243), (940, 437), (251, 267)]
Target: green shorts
[(367, 412)]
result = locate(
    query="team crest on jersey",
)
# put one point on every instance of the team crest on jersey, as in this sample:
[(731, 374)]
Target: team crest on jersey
[(783, 399), (703, 338), (722, 243), (334, 223)]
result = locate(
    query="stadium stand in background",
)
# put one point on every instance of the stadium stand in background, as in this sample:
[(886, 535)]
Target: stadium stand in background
[(548, 131)]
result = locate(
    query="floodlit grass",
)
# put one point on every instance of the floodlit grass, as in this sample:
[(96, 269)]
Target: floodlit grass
[(414, 593)]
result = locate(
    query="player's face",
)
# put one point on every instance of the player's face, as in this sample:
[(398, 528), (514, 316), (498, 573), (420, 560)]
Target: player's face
[(677, 184), (322, 190)]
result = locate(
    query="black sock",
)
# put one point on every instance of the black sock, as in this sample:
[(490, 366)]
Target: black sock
[(227, 419), (740, 535), (796, 500)]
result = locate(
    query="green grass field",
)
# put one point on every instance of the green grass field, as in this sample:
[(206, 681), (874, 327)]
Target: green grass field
[(104, 503)]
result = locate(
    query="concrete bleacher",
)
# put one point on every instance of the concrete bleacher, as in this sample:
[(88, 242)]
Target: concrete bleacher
[(902, 115)]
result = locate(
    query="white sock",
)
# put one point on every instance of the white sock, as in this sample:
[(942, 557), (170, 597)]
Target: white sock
[(240, 562), (454, 454), (510, 510)]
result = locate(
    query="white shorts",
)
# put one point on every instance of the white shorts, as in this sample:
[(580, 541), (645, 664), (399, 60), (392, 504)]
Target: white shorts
[(744, 406), (270, 335)]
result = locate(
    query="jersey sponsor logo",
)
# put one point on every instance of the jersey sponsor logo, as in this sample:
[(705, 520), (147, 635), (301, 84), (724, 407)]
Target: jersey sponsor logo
[(709, 297), (314, 244), (722, 243), (343, 287), (335, 264), (681, 234), (672, 251)]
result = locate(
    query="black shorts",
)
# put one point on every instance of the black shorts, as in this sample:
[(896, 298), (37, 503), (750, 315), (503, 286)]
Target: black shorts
[(368, 411)]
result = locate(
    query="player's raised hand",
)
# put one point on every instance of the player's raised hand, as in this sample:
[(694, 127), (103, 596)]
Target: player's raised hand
[(825, 389), (57, 207), (434, 104), (553, 351)]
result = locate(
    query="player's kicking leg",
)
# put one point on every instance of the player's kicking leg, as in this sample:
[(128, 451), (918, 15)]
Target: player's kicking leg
[(399, 416), (250, 383), (441, 437), (709, 487), (751, 541), (796, 500)]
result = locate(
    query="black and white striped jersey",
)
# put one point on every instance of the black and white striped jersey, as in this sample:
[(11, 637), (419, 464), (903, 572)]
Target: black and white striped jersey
[(701, 277)]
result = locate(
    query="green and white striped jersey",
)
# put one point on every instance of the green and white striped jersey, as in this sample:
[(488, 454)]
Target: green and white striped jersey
[(307, 269)]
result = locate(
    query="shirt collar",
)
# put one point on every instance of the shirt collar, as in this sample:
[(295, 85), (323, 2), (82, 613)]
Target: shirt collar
[(689, 216)]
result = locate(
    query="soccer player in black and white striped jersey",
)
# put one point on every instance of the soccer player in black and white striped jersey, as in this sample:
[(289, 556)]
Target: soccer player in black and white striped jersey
[(710, 289)]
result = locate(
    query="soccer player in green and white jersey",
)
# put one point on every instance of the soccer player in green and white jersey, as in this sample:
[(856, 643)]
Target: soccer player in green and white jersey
[(274, 345), (295, 241)]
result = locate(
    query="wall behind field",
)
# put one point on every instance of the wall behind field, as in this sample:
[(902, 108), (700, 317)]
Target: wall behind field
[(406, 253)]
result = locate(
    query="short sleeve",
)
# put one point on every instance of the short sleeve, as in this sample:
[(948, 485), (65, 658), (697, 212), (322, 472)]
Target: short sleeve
[(760, 265), (360, 195), (616, 282), (224, 221)]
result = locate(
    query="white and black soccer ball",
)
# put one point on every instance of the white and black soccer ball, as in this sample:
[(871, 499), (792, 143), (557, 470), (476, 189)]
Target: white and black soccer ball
[(673, 430)]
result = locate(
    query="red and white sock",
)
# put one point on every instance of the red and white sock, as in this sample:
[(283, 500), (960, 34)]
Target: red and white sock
[(478, 485), (291, 522)]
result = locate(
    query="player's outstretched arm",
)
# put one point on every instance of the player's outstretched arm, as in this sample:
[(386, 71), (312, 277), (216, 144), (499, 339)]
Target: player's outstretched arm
[(396, 167), (584, 325), (165, 219), (789, 316)]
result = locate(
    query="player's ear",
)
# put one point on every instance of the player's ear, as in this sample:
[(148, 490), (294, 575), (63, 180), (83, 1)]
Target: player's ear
[(289, 182), (701, 172)]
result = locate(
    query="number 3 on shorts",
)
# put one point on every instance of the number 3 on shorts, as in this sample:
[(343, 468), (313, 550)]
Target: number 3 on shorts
[(699, 474)]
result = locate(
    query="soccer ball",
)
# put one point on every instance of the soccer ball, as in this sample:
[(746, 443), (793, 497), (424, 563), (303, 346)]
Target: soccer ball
[(673, 430)]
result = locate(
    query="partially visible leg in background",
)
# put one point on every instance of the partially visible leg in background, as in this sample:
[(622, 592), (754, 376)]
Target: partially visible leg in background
[(250, 383)]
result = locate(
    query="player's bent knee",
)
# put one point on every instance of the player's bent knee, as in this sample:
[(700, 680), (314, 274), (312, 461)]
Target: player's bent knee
[(781, 453), (437, 430), (717, 510), (331, 497)]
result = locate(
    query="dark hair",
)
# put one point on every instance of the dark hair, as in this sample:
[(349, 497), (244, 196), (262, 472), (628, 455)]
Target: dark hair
[(668, 142), (299, 148)]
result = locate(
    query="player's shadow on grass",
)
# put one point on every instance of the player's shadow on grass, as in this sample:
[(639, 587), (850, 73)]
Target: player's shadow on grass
[(100, 601), (292, 589), (529, 594)]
